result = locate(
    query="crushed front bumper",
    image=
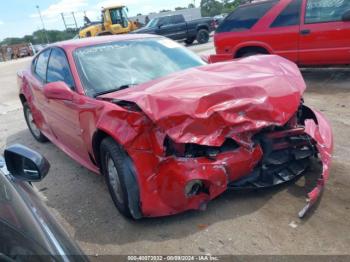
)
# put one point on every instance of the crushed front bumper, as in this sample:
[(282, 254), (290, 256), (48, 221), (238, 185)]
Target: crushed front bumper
[(163, 191)]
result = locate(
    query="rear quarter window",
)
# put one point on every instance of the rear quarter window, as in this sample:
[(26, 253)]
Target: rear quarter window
[(245, 17)]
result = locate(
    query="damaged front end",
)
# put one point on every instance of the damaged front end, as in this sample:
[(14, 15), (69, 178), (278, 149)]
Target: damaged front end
[(289, 151), (273, 156), (199, 132)]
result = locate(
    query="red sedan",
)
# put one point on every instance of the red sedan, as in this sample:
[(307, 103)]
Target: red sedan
[(307, 32), (168, 131)]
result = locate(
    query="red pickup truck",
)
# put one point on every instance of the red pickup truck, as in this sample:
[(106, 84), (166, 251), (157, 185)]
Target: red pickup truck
[(308, 32)]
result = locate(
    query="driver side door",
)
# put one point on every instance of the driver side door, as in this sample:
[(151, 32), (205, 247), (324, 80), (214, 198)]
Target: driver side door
[(64, 116)]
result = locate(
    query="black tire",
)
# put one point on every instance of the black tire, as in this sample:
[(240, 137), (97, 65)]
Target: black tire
[(119, 173), (202, 36), (189, 41), (252, 53), (34, 130)]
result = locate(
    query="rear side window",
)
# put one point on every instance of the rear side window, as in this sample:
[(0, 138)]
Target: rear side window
[(245, 17), (41, 65), (322, 11), (289, 16), (58, 68)]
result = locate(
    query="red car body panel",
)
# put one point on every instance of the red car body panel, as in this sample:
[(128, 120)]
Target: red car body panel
[(326, 43), (203, 105)]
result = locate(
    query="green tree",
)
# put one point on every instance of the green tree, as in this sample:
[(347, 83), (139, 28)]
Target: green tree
[(211, 7), (230, 5), (191, 5), (38, 37)]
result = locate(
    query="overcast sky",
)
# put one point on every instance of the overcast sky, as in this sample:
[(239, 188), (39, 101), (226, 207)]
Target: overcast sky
[(20, 17)]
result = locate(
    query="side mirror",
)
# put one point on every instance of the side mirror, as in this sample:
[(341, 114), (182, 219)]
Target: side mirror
[(160, 26), (26, 164), (346, 16), (58, 90)]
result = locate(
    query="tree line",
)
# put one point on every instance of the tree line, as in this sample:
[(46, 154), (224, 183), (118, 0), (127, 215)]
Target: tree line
[(39, 37), (216, 7)]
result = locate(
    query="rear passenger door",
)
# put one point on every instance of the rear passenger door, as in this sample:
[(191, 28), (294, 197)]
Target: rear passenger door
[(324, 37), (168, 27), (181, 27)]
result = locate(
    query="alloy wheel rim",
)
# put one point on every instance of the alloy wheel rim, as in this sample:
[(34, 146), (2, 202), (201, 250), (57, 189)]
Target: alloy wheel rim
[(114, 180), (33, 127), (203, 36)]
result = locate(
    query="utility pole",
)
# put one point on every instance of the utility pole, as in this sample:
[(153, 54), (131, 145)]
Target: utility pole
[(75, 21), (64, 21), (42, 22)]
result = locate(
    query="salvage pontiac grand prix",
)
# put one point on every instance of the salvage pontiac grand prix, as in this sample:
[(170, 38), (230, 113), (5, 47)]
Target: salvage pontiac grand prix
[(167, 130)]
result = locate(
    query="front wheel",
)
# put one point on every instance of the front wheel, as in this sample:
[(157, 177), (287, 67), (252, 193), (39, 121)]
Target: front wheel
[(119, 173), (189, 41), (33, 128), (202, 36)]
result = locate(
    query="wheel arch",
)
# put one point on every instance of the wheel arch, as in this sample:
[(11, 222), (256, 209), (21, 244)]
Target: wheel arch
[(253, 46), (202, 26), (97, 139)]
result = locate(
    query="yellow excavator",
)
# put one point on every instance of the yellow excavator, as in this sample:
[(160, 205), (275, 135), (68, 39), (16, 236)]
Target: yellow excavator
[(114, 21)]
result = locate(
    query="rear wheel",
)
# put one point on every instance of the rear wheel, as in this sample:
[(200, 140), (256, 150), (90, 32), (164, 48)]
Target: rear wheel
[(118, 170), (33, 128), (202, 36)]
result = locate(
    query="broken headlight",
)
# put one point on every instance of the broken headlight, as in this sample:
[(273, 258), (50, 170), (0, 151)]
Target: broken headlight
[(196, 150)]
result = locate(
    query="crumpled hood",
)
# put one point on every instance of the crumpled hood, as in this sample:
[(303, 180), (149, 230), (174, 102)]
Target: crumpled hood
[(204, 105)]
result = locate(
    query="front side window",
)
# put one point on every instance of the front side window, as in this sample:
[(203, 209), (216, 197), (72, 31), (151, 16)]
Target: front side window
[(58, 68), (245, 17), (289, 16), (41, 65), (165, 20), (152, 23), (322, 11), (117, 65)]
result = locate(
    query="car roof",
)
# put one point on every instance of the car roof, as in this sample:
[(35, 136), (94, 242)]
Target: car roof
[(90, 41)]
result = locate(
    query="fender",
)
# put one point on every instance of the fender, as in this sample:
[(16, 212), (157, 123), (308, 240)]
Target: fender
[(252, 44)]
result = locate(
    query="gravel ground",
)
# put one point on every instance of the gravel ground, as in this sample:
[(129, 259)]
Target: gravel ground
[(263, 222)]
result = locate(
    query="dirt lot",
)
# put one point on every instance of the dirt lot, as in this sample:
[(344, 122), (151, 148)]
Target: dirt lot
[(262, 222)]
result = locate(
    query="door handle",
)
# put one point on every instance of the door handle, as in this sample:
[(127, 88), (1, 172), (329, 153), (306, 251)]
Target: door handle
[(305, 32)]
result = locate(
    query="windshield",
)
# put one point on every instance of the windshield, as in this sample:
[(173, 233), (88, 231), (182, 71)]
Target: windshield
[(152, 23), (113, 66)]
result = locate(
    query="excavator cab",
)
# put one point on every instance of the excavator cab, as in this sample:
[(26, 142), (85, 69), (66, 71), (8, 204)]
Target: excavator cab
[(114, 21)]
